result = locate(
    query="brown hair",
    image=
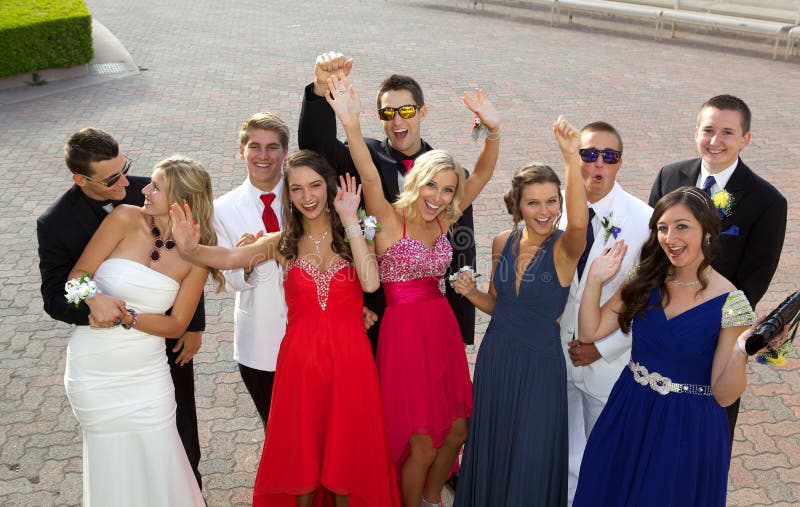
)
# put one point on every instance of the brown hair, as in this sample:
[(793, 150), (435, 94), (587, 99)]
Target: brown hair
[(655, 267), (86, 146), (728, 103), (601, 126), (400, 82), (265, 121), (293, 219), (528, 175)]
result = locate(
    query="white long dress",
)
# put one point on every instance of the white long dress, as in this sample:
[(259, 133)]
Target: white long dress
[(121, 392)]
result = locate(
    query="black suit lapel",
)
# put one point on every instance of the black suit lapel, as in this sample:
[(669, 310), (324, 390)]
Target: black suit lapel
[(689, 174), (737, 186)]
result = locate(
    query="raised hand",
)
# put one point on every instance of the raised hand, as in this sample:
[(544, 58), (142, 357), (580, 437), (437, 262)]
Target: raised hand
[(248, 238), (569, 139), (348, 199), (331, 63), (185, 231), (344, 100), (605, 266), (483, 109)]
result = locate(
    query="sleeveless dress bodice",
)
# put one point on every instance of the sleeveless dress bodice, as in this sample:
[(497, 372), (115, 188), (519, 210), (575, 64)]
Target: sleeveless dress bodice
[(119, 385), (410, 270), (421, 360), (517, 450), (325, 426)]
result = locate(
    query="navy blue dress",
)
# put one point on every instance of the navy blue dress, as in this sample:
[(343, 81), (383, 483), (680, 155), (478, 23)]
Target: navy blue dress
[(670, 449), (517, 450)]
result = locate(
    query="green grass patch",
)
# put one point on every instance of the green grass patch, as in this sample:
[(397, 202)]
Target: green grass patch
[(41, 34)]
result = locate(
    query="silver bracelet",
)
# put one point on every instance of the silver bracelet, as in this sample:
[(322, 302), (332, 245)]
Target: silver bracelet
[(353, 231), (741, 349), (494, 136)]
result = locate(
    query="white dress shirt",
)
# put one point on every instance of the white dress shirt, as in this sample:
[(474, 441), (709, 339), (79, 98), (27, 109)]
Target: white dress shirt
[(259, 320)]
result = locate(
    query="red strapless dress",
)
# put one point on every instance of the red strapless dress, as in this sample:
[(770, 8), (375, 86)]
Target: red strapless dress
[(326, 427)]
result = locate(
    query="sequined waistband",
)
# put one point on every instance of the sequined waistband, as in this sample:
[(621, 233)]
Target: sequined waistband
[(664, 385)]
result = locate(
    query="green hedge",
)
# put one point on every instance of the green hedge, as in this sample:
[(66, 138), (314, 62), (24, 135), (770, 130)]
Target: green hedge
[(40, 34)]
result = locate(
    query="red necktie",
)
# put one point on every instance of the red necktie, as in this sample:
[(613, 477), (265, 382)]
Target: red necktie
[(269, 217), (407, 162)]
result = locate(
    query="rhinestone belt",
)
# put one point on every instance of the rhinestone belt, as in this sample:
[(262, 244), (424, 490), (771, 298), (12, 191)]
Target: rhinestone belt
[(663, 385)]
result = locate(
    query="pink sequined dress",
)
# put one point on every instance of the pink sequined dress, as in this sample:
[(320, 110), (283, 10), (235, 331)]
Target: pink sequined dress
[(326, 426), (421, 360)]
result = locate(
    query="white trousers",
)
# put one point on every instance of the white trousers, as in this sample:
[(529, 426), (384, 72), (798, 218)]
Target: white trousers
[(583, 409)]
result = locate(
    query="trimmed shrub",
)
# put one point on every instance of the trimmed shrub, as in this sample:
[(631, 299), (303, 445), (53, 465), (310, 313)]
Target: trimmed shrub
[(40, 34)]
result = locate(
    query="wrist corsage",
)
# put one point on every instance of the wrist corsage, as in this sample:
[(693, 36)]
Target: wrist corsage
[(479, 130), (369, 226), (79, 289), (465, 269)]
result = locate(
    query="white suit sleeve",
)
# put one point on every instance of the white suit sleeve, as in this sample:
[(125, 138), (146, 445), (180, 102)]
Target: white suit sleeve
[(234, 278)]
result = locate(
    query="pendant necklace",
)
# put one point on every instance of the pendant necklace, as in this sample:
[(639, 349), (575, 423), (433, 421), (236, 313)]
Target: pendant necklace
[(158, 243), (317, 241)]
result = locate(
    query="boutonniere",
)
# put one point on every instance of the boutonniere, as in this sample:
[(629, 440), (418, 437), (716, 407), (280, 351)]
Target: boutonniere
[(776, 356), (611, 226), (724, 202)]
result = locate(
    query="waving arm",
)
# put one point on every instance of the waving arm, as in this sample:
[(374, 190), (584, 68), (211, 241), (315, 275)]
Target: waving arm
[(487, 159), (186, 234)]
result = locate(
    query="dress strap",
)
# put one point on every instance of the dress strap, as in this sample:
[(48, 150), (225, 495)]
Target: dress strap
[(404, 223), (441, 229)]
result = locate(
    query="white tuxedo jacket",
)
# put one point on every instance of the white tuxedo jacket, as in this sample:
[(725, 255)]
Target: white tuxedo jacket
[(259, 319), (633, 215)]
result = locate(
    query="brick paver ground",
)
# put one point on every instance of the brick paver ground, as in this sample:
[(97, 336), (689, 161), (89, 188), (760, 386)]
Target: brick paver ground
[(209, 64)]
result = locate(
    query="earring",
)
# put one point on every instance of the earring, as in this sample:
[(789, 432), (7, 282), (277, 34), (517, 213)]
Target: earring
[(450, 210)]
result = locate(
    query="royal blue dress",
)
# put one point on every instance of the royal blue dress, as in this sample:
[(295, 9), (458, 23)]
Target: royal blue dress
[(517, 450), (670, 449)]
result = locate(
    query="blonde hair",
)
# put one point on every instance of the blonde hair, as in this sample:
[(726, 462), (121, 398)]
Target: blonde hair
[(187, 180), (425, 168)]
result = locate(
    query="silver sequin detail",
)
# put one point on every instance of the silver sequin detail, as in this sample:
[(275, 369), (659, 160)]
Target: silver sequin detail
[(737, 311), (664, 385), (321, 280)]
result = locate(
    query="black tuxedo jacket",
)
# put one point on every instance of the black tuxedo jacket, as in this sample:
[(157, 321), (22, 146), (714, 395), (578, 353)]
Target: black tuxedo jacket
[(317, 131), (752, 235), (63, 231)]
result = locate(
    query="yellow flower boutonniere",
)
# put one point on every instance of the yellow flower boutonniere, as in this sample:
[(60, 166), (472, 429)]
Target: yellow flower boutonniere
[(723, 201)]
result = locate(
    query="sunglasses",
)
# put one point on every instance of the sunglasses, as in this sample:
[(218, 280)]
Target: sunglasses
[(114, 178), (591, 154), (405, 112)]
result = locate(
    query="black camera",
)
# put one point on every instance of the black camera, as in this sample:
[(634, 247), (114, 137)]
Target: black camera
[(773, 325)]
